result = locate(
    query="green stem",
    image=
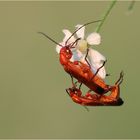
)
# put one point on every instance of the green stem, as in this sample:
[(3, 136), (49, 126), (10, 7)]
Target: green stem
[(131, 5), (105, 15)]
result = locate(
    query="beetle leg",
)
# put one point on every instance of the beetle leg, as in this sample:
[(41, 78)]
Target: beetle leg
[(74, 43), (120, 80), (98, 70), (107, 74), (86, 57), (73, 84), (80, 85), (67, 90)]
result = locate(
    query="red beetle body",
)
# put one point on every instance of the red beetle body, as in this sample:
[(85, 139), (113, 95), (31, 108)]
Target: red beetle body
[(96, 100), (82, 72)]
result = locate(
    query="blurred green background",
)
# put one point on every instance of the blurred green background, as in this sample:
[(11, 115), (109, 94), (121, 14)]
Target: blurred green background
[(33, 101)]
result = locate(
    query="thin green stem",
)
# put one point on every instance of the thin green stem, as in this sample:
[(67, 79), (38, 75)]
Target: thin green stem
[(105, 15), (131, 5)]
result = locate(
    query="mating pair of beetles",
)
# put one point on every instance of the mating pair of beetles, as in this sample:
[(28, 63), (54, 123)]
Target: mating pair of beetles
[(87, 66)]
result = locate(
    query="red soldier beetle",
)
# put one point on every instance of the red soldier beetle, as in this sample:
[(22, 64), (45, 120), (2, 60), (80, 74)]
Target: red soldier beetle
[(82, 72), (94, 99)]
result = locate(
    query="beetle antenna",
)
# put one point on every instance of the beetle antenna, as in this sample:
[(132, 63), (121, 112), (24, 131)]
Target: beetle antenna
[(75, 42), (50, 39), (80, 28)]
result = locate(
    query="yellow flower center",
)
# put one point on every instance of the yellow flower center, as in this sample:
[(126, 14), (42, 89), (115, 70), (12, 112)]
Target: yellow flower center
[(82, 46)]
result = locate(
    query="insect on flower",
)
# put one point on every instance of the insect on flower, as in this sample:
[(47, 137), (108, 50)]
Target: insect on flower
[(70, 54), (83, 51)]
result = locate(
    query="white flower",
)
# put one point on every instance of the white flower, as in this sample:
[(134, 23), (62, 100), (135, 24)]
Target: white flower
[(92, 39), (94, 58)]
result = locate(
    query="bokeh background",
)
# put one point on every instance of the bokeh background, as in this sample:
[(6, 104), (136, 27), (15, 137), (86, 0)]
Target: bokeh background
[(33, 101)]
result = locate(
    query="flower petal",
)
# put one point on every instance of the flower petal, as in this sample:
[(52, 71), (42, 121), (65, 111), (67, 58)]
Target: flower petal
[(58, 48), (102, 72), (83, 59), (67, 35), (76, 55), (94, 39), (81, 32), (96, 61), (95, 56)]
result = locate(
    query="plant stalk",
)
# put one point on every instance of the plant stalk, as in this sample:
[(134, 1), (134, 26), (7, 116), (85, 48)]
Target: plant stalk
[(105, 15)]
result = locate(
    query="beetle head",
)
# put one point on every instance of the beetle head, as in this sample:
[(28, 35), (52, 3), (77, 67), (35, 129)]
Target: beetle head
[(66, 52)]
